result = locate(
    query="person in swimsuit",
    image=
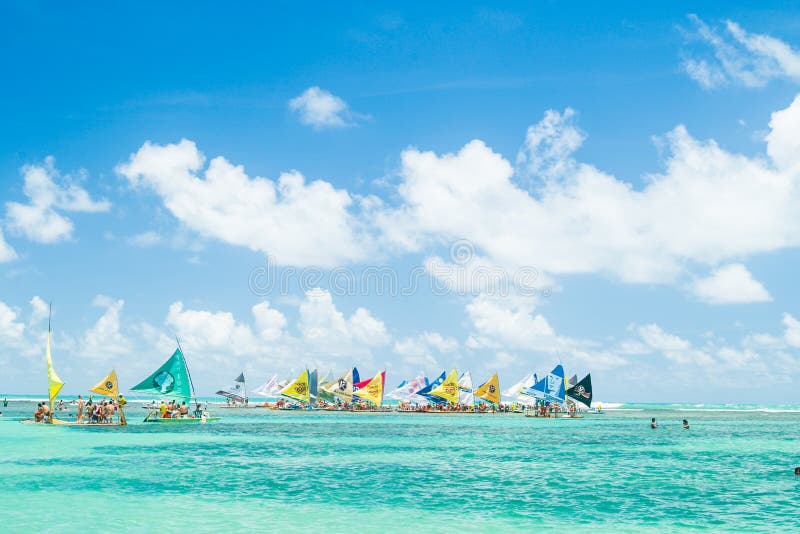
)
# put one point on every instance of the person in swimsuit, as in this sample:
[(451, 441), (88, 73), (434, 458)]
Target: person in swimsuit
[(80, 408), (685, 424), (653, 423)]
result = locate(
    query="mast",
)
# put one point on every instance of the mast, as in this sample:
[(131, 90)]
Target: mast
[(49, 316), (186, 366)]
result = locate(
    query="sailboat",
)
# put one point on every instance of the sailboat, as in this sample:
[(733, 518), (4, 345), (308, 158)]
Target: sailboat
[(372, 390), (172, 381), (298, 389), (489, 390), (237, 392)]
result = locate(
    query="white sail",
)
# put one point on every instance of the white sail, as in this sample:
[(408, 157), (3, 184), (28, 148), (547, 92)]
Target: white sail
[(270, 389), (466, 395), (407, 390), (526, 382)]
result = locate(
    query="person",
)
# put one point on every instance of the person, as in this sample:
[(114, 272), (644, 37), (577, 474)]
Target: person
[(184, 410), (797, 470), (38, 415), (110, 409), (122, 401), (60, 405), (46, 411), (5, 402), (686, 424), (162, 409), (80, 408), (653, 423), (198, 410)]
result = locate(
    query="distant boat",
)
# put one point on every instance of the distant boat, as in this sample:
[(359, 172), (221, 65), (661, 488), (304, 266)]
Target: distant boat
[(172, 381)]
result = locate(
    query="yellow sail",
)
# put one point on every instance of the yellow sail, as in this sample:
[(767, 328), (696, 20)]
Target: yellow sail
[(54, 384), (108, 386), (490, 390), (373, 391), (448, 389), (298, 388)]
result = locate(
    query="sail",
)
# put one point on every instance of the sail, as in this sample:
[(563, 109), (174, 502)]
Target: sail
[(313, 384), (171, 380), (490, 390), (356, 376), (235, 392), (550, 388), (372, 390), (424, 394), (408, 388), (448, 390), (571, 382), (342, 388), (526, 382), (270, 388), (298, 388), (108, 386), (54, 384), (582, 391), (466, 396)]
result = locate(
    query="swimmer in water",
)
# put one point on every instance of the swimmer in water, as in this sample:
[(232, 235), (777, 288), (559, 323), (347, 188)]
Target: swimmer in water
[(653, 423), (685, 424)]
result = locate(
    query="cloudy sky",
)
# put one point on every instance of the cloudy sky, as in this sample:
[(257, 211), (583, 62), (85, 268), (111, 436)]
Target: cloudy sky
[(612, 188)]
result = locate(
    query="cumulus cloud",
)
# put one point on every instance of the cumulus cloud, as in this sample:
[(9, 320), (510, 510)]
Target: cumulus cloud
[(49, 193), (103, 340), (295, 222), (11, 328), (708, 205), (425, 349), (319, 108), (326, 328), (145, 239), (269, 321), (7, 253), (731, 284), (731, 55), (792, 330)]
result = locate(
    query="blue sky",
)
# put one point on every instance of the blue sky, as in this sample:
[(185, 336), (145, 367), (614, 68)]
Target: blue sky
[(640, 159)]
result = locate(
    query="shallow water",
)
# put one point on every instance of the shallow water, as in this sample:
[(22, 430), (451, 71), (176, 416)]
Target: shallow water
[(733, 470)]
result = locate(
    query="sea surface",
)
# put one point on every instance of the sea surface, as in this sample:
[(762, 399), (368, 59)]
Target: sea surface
[(262, 471)]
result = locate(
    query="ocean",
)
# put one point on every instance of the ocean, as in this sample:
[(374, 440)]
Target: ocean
[(265, 471)]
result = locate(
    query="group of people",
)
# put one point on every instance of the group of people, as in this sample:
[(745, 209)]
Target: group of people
[(104, 411), (174, 410), (654, 425)]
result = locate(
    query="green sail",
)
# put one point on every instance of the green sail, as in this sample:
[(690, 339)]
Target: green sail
[(171, 380)]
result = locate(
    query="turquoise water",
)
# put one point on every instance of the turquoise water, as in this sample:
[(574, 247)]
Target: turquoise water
[(257, 469)]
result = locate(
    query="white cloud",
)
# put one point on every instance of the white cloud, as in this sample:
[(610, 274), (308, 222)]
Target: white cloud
[(325, 328), (39, 310), (49, 193), (11, 329), (422, 350), (730, 284), (707, 206), (673, 347), (269, 321), (7, 253), (145, 239), (104, 339), (321, 109), (739, 57), (792, 330), (294, 222), (210, 331)]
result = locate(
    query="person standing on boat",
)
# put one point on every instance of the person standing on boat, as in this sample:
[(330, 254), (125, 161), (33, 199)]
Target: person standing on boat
[(80, 408)]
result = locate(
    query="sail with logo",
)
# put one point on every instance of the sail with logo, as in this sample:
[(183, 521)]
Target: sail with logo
[(408, 388), (235, 392), (172, 381), (466, 395), (582, 391), (425, 395), (448, 389), (550, 388), (490, 390), (372, 390), (298, 388), (342, 387)]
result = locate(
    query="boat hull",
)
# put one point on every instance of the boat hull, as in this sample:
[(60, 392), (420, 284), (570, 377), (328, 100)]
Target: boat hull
[(184, 421)]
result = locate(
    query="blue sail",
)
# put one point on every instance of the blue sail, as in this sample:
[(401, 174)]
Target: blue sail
[(549, 388), (425, 392)]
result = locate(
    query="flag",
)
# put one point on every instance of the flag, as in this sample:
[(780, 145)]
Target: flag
[(490, 390), (108, 386)]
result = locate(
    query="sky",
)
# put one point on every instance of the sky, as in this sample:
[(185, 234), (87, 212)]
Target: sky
[(613, 187)]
